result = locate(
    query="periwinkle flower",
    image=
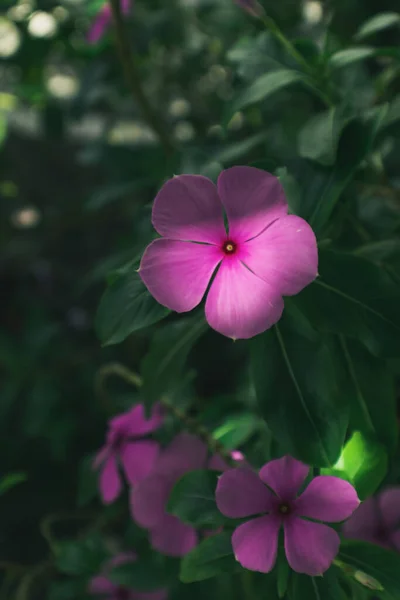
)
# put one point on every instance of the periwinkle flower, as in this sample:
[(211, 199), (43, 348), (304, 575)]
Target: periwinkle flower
[(125, 447), (103, 587), (102, 21), (149, 499), (377, 520), (264, 255), (310, 547)]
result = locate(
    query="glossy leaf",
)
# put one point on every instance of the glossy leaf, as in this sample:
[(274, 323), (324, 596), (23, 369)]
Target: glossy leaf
[(236, 430), (125, 307), (365, 460), (213, 556), (299, 392), (193, 499), (377, 23)]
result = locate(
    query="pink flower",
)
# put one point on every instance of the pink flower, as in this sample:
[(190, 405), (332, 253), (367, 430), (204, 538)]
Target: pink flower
[(149, 499), (123, 445), (310, 547), (103, 20), (251, 6), (102, 586), (377, 520), (267, 253)]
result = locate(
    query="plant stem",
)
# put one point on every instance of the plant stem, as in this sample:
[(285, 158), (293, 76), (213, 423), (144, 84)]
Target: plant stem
[(134, 82), (189, 422)]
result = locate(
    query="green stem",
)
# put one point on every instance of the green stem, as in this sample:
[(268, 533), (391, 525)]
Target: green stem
[(134, 82), (189, 422)]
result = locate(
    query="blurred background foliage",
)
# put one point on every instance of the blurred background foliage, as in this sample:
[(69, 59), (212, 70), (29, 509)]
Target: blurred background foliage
[(79, 167)]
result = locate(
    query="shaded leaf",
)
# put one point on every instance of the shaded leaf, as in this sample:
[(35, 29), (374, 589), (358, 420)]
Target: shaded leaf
[(326, 587), (236, 430), (193, 499), (213, 556)]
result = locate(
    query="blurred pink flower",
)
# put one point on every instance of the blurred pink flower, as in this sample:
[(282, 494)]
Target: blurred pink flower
[(103, 20), (124, 446), (149, 499), (102, 586), (310, 547), (377, 520), (267, 253), (251, 6)]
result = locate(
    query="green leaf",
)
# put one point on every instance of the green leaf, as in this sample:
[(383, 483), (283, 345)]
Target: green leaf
[(87, 482), (365, 461), (376, 562), (163, 365), (371, 380), (319, 138), (298, 387), (193, 499), (377, 23), (262, 88), (236, 430), (326, 587), (347, 57), (83, 557), (125, 307), (143, 575), (356, 298), (3, 129), (213, 556), (12, 479)]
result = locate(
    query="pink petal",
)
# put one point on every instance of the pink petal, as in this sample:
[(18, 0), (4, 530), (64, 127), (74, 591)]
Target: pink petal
[(101, 23), (394, 540), (177, 273), (172, 537), (310, 547), (101, 585), (240, 493), (134, 422), (121, 559), (125, 6), (365, 522), (101, 456), (157, 595), (239, 304), (110, 481), (327, 498), (255, 543), (148, 500), (252, 199), (284, 255), (138, 459), (389, 504), (188, 208), (284, 476), (185, 453)]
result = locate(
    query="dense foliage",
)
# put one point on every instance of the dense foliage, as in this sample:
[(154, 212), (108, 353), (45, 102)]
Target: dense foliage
[(98, 111)]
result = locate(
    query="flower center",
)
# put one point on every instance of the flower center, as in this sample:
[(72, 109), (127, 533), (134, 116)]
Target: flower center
[(229, 247), (284, 509)]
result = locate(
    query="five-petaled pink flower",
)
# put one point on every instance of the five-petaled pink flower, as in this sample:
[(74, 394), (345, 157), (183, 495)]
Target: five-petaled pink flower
[(377, 520), (102, 21), (149, 499), (102, 586), (125, 446), (266, 253), (310, 547)]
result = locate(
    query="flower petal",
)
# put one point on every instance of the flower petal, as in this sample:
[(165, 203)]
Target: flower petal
[(185, 453), (285, 255), (284, 476), (310, 547), (148, 500), (138, 459), (172, 537), (177, 273), (101, 585), (135, 423), (365, 523), (188, 208), (100, 25), (327, 498), (389, 505), (241, 493), (252, 199), (255, 543), (394, 540), (101, 457), (239, 304), (110, 481)]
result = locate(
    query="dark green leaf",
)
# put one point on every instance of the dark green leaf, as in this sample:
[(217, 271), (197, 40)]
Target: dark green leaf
[(87, 482), (125, 307), (9, 481), (326, 587), (299, 393), (213, 556), (236, 430), (377, 23), (193, 499), (356, 298), (143, 575), (83, 557), (380, 564), (162, 366)]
